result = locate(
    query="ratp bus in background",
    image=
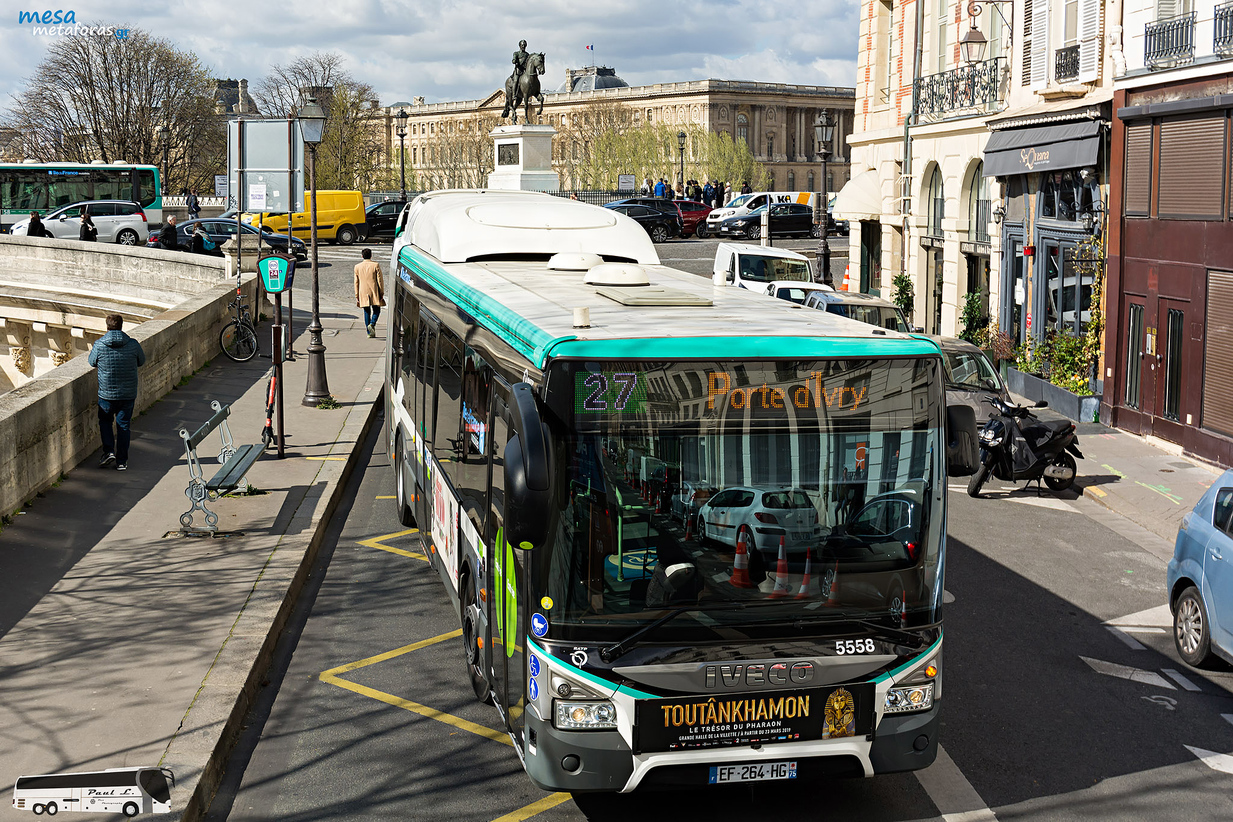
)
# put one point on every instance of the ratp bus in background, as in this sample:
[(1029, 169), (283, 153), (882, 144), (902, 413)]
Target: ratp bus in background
[(129, 791), (42, 187), (551, 385)]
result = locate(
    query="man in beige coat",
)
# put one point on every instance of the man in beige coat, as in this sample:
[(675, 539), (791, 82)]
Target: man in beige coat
[(369, 291)]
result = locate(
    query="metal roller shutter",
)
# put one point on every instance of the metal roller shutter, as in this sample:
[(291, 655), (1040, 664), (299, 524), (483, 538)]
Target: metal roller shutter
[(1218, 354), (1138, 169), (1192, 168)]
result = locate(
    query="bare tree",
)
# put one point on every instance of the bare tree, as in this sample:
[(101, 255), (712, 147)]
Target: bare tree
[(352, 152), (105, 98), (460, 154)]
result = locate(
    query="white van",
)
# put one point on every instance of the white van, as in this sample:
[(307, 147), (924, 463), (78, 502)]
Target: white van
[(754, 266), (746, 203)]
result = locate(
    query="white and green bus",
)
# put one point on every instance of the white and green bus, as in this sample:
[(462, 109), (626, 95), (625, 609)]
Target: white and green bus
[(559, 402), (43, 187)]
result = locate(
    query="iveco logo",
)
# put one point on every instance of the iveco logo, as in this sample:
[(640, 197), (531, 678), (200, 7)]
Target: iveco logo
[(756, 675)]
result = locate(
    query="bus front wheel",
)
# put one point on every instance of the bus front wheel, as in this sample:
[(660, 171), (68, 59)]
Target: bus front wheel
[(130, 809), (405, 515), (38, 809)]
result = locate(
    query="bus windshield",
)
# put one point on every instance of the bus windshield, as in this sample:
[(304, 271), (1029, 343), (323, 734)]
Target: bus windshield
[(804, 490)]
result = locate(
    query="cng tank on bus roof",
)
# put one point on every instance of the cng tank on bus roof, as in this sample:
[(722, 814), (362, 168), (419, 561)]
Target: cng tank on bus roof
[(462, 226)]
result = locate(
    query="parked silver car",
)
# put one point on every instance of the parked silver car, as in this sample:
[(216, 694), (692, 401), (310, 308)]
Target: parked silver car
[(970, 377), (117, 221)]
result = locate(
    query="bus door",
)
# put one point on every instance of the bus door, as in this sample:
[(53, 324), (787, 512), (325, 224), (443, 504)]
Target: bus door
[(508, 581)]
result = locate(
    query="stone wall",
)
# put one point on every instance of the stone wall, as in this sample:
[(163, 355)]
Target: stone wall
[(50, 424)]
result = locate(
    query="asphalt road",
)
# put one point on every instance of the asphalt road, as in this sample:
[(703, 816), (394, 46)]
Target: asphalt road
[(1049, 714)]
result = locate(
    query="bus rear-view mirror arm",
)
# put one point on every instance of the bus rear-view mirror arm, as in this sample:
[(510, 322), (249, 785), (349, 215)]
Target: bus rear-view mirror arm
[(962, 443), (527, 472)]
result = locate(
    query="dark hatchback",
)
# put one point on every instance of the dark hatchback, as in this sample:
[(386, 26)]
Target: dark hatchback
[(221, 231), (381, 218), (661, 225), (787, 220)]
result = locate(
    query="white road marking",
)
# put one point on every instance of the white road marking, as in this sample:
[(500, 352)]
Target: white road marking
[(951, 792), (1177, 677), (1138, 629), (1131, 643), (1227, 718), (1126, 672), (1158, 617), (1215, 761), (1042, 502), (947, 597)]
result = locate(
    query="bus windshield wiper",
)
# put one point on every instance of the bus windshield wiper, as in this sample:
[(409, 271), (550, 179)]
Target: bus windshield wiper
[(613, 651), (886, 632)]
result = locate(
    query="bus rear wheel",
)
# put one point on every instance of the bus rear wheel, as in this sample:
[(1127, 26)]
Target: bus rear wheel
[(52, 809), (130, 809), (471, 642)]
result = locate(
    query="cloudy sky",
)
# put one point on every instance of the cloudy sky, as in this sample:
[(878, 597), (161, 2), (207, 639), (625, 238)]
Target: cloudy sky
[(460, 49)]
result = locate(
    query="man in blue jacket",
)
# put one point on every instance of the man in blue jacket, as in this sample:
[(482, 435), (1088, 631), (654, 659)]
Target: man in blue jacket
[(117, 356)]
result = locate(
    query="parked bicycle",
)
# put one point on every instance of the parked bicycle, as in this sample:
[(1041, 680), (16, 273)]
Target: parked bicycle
[(238, 338)]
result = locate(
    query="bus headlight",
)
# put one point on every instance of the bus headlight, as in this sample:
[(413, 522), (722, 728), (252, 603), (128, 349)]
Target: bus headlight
[(909, 698), (584, 716)]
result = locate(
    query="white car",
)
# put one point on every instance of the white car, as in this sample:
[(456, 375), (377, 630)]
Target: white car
[(117, 221), (763, 516), (793, 291), (753, 266)]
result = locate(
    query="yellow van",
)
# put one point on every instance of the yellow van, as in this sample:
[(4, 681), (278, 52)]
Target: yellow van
[(340, 218)]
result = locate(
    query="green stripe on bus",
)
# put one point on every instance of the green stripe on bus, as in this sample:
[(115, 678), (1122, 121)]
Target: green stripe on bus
[(895, 672), (727, 348)]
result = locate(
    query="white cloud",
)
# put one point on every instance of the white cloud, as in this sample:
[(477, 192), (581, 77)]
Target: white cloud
[(460, 49)]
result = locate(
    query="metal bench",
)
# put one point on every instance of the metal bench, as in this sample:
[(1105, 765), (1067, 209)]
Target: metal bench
[(235, 461)]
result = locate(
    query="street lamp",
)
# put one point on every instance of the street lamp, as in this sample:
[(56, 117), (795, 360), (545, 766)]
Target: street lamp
[(823, 131), (680, 141), (972, 44), (164, 137), (312, 126), (402, 156)]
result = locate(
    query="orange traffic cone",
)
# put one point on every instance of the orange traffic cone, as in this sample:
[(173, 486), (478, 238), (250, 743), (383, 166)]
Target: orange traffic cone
[(903, 611), (740, 565), (833, 598), (804, 592), (782, 587), (689, 527), (847, 279)]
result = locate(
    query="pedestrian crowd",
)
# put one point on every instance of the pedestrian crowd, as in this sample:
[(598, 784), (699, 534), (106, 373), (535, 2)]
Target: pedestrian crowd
[(713, 193)]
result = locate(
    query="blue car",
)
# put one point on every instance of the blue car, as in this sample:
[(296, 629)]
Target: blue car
[(1201, 578)]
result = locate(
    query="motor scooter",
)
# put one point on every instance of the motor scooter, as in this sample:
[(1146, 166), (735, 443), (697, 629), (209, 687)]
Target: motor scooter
[(1016, 445)]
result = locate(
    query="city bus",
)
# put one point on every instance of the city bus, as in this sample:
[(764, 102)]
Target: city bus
[(129, 791), (27, 187), (551, 387)]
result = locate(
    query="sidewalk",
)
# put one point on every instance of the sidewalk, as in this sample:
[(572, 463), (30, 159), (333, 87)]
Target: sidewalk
[(1134, 478), (121, 645)]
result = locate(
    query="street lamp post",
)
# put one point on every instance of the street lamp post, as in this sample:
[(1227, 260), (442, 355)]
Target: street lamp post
[(402, 154), (680, 141), (312, 127), (823, 130), (164, 136)]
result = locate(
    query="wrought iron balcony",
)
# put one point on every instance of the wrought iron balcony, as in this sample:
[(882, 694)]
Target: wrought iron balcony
[(978, 86), (1223, 44), (1170, 42), (1066, 63)]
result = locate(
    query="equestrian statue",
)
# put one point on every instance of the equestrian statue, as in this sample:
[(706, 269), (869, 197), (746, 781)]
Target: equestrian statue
[(522, 86)]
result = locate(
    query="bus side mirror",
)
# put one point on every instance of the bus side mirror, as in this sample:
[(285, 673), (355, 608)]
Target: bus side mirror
[(962, 448), (527, 473)]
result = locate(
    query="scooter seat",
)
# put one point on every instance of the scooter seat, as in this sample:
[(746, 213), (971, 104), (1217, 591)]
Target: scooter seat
[(1041, 432)]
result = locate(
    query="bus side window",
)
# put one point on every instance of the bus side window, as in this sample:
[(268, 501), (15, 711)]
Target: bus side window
[(500, 435), (447, 441), (472, 484), (426, 361)]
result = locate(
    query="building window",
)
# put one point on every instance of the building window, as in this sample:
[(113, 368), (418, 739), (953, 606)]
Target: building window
[(742, 128), (943, 43), (1064, 196), (770, 146), (936, 203), (415, 155), (812, 182), (979, 206), (791, 181)]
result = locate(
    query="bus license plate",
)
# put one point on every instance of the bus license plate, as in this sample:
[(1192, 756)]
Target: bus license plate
[(752, 773)]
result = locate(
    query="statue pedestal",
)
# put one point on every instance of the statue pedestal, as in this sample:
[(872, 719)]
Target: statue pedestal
[(523, 158)]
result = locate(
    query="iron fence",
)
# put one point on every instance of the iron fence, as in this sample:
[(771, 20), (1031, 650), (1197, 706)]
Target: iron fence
[(1170, 42), (1223, 44), (974, 86), (1066, 63)]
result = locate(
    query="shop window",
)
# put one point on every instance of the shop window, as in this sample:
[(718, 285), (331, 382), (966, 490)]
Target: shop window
[(1064, 195)]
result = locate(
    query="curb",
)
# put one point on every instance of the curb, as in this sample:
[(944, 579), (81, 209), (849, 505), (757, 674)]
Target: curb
[(213, 722)]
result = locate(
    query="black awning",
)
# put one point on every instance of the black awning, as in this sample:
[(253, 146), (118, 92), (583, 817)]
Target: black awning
[(1043, 148)]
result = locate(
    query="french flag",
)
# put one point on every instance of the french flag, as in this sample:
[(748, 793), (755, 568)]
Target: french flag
[(590, 48)]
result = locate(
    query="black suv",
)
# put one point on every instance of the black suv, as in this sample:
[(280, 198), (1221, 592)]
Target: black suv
[(659, 224), (381, 219)]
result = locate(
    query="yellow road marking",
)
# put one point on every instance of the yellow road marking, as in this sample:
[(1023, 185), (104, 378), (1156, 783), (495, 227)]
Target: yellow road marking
[(1098, 492), (547, 803), (336, 459), (391, 496), (331, 676), (379, 543)]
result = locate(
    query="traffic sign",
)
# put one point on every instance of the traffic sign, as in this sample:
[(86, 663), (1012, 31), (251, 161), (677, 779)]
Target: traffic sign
[(276, 273)]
